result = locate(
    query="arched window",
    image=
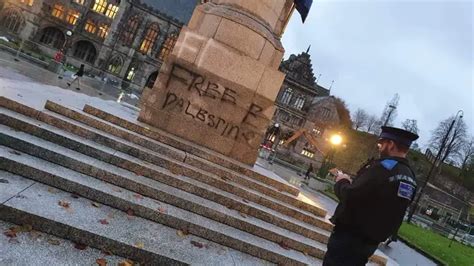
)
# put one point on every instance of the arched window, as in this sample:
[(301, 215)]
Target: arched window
[(168, 46), (286, 97), (11, 20), (53, 37), (128, 34), (149, 38), (151, 79), (299, 102), (115, 65), (85, 50)]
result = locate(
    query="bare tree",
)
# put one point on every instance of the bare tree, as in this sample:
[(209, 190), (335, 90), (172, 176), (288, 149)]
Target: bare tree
[(390, 112), (410, 125), (455, 140), (372, 123), (359, 118), (466, 153)]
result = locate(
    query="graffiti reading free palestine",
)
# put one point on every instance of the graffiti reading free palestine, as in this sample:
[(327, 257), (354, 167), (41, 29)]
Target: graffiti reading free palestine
[(203, 87)]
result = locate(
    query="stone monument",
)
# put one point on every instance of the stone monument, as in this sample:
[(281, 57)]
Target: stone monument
[(218, 86)]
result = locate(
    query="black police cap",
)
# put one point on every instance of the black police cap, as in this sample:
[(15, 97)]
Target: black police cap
[(398, 135)]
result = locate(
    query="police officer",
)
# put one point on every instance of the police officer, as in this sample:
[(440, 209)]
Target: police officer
[(372, 205)]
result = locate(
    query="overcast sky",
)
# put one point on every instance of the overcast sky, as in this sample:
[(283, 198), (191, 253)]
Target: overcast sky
[(422, 50)]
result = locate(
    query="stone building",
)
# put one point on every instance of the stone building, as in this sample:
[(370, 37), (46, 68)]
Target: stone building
[(122, 40), (303, 108)]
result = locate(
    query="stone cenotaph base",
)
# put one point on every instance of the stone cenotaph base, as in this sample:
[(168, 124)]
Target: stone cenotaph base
[(218, 86)]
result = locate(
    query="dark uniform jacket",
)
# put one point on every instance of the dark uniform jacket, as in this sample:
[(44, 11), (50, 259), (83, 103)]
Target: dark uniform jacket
[(374, 205)]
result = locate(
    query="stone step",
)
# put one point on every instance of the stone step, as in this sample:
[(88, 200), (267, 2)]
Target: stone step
[(85, 222), (31, 247), (140, 167), (129, 121), (188, 159), (153, 189), (41, 130), (190, 165)]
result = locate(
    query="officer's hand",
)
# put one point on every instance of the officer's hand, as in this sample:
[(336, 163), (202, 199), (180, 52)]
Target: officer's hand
[(341, 176)]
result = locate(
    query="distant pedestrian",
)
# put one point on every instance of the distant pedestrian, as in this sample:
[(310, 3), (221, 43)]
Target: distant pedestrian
[(308, 172), (77, 77), (58, 57), (372, 205)]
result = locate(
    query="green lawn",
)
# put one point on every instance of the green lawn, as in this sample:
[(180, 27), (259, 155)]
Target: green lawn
[(437, 245)]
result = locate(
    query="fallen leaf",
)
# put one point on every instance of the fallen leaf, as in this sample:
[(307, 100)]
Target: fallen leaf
[(138, 196), (54, 242), (101, 262), (197, 244), (182, 233), (243, 214), (125, 263), (139, 245), (95, 204), (4, 181), (224, 178), (10, 233), (80, 246), (130, 212), (246, 201), (14, 152), (283, 245), (25, 228), (52, 190), (74, 195), (64, 204), (35, 235), (305, 253), (103, 221), (162, 210)]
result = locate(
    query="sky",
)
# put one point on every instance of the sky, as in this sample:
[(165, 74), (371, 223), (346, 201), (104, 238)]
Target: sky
[(422, 50)]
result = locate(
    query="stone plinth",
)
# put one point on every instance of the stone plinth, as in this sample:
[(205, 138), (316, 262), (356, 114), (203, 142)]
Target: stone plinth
[(218, 86)]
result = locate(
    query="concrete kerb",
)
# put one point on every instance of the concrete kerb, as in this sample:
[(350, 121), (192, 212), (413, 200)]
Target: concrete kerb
[(189, 159)]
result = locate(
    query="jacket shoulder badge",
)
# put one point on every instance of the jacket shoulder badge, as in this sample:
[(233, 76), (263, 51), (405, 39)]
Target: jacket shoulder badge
[(389, 164)]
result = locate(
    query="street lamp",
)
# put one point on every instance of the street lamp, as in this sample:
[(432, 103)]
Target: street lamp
[(335, 140), (435, 164), (392, 107)]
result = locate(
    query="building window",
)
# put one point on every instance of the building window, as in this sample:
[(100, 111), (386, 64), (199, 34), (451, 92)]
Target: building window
[(103, 30), (27, 2), (100, 6), (286, 97), (128, 33), (317, 131), (90, 26), (168, 46), (58, 11), (111, 11), (296, 121), (53, 37), (151, 80), (149, 39), (283, 116), (80, 2), (85, 50), (307, 153), (12, 20), (326, 112), (299, 103), (115, 65), (72, 16)]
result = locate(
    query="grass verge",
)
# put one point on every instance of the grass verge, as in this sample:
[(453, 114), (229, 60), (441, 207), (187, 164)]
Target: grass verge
[(437, 245)]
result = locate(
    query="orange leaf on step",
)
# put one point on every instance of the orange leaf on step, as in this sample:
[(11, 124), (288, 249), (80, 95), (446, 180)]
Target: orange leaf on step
[(80, 246), (126, 263), (101, 262), (139, 245), (64, 204), (10, 233)]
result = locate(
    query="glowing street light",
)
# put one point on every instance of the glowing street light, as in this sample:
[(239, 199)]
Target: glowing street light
[(336, 139)]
